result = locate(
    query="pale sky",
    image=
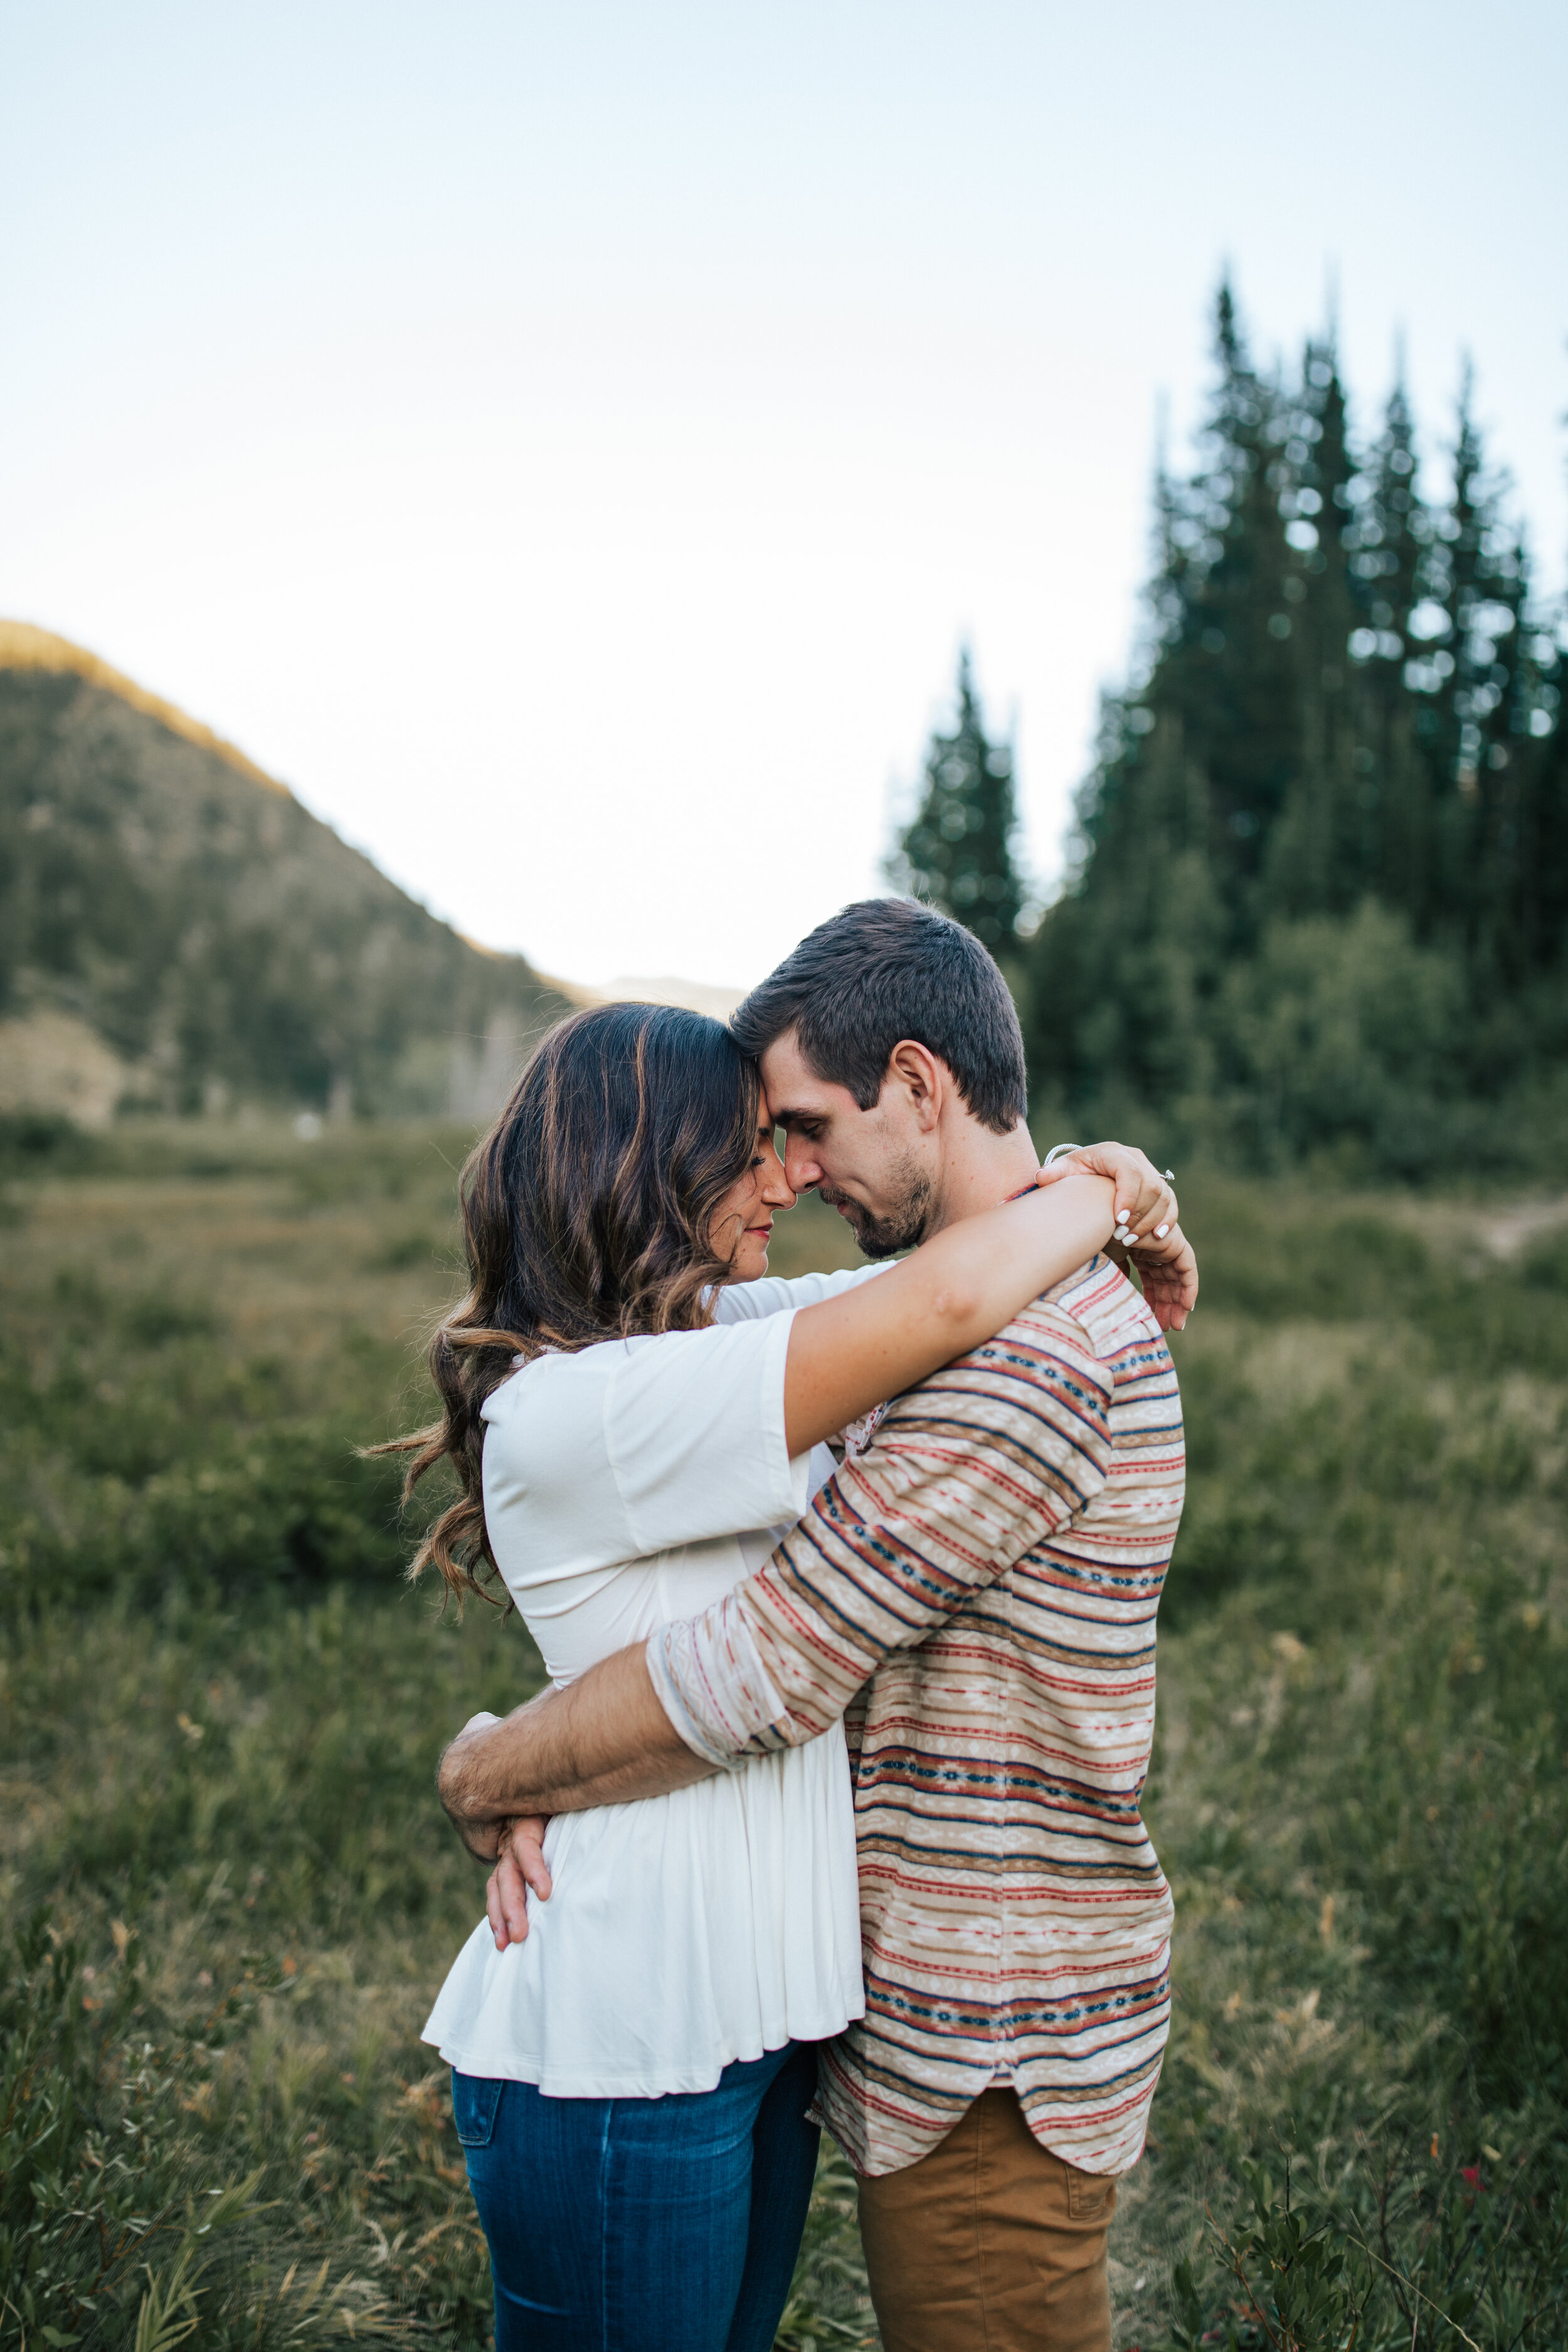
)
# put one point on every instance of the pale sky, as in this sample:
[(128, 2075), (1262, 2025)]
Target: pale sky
[(569, 445)]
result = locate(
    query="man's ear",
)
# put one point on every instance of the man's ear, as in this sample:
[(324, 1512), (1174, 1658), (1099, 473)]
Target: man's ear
[(921, 1079)]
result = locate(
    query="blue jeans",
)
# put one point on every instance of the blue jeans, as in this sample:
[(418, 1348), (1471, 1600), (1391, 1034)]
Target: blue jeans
[(643, 2225)]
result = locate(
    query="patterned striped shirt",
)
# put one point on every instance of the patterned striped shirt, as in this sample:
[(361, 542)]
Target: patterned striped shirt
[(989, 1568)]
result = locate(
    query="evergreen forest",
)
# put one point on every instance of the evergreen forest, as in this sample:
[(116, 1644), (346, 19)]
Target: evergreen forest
[(1318, 896)]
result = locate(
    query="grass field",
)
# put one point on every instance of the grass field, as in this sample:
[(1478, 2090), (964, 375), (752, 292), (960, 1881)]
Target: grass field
[(233, 1893)]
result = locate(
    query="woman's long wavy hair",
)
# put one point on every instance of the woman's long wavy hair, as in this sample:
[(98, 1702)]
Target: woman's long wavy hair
[(586, 1211)]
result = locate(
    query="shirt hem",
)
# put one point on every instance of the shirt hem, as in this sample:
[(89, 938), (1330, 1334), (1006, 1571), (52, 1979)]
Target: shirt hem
[(881, 2163), (595, 2083)]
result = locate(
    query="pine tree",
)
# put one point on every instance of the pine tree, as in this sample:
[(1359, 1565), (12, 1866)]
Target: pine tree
[(1321, 880), (1390, 540), (1483, 594), (1543, 848), (1232, 675), (1476, 724), (1322, 851), (1394, 643), (957, 854)]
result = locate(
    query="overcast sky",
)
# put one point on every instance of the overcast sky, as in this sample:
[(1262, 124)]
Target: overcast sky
[(569, 445)]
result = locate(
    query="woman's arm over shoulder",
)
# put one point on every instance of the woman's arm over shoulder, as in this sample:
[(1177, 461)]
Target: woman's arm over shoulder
[(857, 1349), (745, 1302)]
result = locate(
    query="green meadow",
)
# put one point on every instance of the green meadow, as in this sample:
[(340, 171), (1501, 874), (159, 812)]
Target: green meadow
[(229, 1894)]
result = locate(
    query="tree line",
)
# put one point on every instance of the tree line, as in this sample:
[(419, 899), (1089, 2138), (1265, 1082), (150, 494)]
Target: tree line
[(1317, 896)]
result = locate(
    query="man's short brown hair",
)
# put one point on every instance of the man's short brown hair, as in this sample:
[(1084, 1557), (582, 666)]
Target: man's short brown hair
[(886, 968)]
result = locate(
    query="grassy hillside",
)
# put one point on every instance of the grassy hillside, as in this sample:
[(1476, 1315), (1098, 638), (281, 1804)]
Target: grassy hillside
[(220, 1712), (223, 943)]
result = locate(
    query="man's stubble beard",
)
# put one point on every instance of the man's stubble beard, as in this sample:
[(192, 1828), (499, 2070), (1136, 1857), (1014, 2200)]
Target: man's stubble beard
[(901, 1227)]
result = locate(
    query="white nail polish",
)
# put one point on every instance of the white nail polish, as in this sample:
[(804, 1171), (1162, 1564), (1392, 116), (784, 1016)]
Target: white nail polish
[(1160, 1232)]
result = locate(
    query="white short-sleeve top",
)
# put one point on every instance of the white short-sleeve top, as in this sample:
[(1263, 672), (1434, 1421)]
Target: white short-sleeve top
[(627, 1486)]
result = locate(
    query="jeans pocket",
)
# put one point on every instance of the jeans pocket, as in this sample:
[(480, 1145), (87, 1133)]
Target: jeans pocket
[(475, 2098)]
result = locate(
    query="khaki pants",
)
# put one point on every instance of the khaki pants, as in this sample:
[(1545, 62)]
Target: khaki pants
[(990, 2244)]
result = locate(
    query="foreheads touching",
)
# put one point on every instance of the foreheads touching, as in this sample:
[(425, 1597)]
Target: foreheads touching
[(886, 1023), (883, 970)]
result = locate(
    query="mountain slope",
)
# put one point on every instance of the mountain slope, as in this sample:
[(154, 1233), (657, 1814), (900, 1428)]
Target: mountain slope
[(167, 905)]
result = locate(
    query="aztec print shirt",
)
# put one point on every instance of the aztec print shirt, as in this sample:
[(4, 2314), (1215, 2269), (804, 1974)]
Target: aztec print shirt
[(992, 1564)]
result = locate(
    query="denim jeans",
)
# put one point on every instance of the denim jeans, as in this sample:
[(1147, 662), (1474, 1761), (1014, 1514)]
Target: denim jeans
[(643, 2225)]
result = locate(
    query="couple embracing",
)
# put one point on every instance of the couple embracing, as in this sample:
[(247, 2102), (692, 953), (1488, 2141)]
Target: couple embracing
[(846, 1590)]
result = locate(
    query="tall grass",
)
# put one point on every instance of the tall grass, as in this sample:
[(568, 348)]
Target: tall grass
[(231, 1896), (1361, 1793)]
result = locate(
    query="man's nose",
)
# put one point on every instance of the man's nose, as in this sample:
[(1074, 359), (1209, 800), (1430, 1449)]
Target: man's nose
[(801, 1170)]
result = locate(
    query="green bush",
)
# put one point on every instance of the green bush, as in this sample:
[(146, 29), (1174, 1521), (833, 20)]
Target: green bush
[(38, 1143), (1341, 1030)]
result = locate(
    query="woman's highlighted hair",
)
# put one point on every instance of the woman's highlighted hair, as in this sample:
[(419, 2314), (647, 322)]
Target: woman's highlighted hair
[(585, 1211)]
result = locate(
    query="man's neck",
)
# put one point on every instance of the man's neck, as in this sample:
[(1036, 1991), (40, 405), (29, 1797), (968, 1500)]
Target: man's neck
[(981, 1169)]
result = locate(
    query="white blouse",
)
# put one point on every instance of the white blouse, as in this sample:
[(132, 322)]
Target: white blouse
[(625, 1487)]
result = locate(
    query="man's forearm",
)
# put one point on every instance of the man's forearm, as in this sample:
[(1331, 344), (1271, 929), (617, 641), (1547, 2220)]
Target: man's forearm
[(604, 1740)]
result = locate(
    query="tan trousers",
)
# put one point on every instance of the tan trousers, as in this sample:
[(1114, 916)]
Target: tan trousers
[(990, 2244)]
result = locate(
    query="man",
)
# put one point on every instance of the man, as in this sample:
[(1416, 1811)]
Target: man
[(977, 1593)]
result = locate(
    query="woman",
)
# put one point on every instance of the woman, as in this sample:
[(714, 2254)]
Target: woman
[(634, 1418)]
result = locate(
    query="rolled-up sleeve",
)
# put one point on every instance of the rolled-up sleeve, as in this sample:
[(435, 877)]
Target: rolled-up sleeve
[(965, 1474)]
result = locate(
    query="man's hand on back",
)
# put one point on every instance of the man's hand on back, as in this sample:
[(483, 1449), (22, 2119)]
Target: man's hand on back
[(603, 1739), (480, 1830)]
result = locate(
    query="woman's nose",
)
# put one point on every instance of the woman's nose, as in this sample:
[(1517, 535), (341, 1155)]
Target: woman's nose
[(777, 1191)]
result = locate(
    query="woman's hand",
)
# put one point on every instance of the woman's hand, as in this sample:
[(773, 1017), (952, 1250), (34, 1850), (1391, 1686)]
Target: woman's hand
[(1169, 1274), (1145, 1203), (519, 1866), (1146, 1213)]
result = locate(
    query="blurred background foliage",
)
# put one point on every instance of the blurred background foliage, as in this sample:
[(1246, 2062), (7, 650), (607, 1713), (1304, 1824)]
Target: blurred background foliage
[(1319, 895)]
